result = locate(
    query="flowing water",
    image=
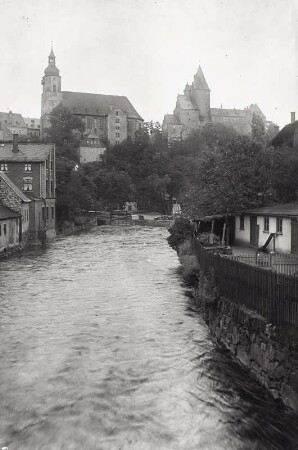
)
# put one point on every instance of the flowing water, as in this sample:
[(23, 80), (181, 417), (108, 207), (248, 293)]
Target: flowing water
[(101, 348)]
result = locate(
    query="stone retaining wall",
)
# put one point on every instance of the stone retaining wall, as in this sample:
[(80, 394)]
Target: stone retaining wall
[(269, 352)]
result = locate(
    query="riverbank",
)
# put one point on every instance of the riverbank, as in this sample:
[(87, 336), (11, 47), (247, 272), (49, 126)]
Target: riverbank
[(268, 352)]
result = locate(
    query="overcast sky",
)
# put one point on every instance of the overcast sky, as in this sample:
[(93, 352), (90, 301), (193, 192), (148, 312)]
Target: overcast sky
[(149, 49)]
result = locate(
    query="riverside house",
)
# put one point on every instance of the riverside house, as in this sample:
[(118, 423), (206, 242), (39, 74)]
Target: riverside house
[(10, 231), (31, 168), (272, 228)]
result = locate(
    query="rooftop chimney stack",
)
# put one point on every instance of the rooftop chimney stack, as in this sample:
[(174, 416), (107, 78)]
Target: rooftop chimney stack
[(293, 117), (15, 145)]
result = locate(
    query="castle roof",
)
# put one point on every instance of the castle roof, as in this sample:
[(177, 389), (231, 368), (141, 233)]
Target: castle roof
[(171, 119), (16, 190), (184, 102), (229, 112), (27, 152), (199, 80), (98, 104)]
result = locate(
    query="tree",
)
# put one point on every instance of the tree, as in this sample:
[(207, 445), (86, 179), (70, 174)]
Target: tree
[(257, 128)]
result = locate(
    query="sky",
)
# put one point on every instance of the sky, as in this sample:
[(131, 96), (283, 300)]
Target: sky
[(148, 50)]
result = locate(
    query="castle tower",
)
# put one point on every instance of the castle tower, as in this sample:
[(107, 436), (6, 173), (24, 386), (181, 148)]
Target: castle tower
[(51, 92), (201, 95)]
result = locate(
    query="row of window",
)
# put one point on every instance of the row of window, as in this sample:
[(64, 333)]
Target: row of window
[(279, 227), (47, 212), (27, 167)]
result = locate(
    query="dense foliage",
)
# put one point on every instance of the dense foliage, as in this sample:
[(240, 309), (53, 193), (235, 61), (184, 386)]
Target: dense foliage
[(214, 171)]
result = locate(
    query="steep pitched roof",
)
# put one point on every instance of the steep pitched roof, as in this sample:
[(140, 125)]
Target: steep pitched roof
[(171, 119), (284, 210), (16, 190), (184, 102), (27, 152), (97, 104), (199, 80), (7, 213), (12, 119)]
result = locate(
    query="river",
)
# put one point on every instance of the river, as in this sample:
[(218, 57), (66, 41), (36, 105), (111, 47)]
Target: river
[(102, 348)]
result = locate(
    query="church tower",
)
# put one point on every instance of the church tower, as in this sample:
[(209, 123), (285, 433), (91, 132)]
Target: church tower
[(51, 92), (200, 94)]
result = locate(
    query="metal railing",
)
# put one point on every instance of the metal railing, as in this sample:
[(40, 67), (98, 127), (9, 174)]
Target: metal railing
[(273, 295)]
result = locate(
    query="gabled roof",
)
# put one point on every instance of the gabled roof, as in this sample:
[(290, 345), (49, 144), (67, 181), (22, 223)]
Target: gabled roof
[(97, 104), (16, 190), (27, 152), (184, 102), (170, 119), (7, 213), (282, 210), (12, 119)]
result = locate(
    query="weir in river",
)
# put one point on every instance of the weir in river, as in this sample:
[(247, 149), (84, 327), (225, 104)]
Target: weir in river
[(102, 348)]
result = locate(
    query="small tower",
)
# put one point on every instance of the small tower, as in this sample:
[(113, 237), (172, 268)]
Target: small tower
[(51, 92), (201, 95)]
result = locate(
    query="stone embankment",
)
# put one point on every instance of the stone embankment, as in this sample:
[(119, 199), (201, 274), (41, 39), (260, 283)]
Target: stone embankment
[(270, 353)]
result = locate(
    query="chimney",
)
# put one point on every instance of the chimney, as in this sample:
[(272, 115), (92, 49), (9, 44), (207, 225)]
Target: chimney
[(293, 117), (15, 145)]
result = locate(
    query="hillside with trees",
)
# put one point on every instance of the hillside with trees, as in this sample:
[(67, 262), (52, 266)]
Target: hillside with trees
[(213, 171)]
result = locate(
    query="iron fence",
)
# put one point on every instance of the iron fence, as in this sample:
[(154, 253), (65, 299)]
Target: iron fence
[(272, 294)]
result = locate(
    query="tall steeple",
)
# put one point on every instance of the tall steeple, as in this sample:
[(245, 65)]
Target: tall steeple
[(51, 92)]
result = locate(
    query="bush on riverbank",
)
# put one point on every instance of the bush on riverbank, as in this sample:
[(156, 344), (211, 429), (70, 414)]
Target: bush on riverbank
[(180, 232), (190, 269)]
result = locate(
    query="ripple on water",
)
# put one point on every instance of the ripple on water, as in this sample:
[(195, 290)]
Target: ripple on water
[(103, 349)]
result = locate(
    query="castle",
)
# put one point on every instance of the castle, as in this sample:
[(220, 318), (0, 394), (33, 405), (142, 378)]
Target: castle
[(193, 111), (110, 118)]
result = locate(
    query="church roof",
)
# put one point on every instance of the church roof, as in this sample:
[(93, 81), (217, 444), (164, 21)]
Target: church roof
[(98, 104), (52, 70), (199, 80), (27, 152)]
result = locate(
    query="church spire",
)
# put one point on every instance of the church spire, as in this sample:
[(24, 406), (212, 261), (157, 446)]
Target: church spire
[(52, 57), (52, 69)]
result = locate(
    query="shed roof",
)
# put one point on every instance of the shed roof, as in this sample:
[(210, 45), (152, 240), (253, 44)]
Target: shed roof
[(7, 213), (27, 152), (171, 119), (98, 104), (284, 210)]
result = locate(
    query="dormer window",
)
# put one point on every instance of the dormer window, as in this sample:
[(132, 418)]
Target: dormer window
[(28, 167)]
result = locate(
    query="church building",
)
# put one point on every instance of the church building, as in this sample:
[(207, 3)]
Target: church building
[(193, 111), (112, 118)]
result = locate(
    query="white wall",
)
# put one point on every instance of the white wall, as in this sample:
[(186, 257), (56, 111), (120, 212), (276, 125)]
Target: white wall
[(242, 237), (282, 241)]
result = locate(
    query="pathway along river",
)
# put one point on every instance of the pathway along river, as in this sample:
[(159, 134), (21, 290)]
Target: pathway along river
[(101, 348)]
